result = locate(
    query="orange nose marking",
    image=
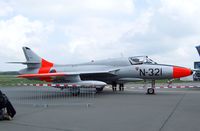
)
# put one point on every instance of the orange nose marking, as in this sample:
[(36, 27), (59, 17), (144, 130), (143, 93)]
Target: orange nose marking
[(179, 72)]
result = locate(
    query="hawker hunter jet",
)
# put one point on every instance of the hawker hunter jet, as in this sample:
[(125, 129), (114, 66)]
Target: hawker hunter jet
[(98, 74)]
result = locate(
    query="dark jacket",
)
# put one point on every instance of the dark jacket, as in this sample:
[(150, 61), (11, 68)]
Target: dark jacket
[(3, 100)]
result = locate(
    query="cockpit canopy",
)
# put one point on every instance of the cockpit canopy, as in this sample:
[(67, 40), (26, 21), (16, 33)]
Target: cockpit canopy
[(136, 60)]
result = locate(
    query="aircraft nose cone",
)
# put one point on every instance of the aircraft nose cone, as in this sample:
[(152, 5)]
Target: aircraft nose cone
[(179, 72)]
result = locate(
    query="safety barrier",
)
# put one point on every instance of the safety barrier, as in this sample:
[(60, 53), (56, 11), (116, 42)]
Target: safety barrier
[(49, 94), (59, 94)]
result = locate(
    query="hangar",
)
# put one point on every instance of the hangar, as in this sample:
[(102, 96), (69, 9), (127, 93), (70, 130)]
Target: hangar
[(196, 76)]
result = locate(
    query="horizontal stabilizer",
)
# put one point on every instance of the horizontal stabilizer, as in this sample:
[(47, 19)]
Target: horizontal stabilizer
[(25, 63)]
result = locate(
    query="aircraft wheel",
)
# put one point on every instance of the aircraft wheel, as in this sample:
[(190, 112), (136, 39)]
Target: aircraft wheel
[(114, 89), (99, 89), (75, 91), (150, 91)]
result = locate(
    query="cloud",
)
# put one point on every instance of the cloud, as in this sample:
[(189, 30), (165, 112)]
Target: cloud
[(19, 31), (68, 8), (180, 8), (5, 9), (79, 31), (105, 38), (178, 18)]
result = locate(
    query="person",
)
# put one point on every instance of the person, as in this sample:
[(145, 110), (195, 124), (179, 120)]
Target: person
[(7, 111)]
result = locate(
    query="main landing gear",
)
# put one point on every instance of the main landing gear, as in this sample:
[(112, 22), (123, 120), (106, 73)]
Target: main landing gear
[(74, 91), (99, 89), (121, 87), (151, 90), (114, 87)]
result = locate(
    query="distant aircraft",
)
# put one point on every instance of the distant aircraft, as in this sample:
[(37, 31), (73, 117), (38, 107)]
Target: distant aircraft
[(196, 76), (100, 73), (198, 49)]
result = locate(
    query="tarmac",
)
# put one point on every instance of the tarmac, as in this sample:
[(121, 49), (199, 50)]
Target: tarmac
[(48, 109)]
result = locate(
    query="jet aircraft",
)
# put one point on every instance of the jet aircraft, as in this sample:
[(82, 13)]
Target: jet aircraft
[(198, 49), (98, 74)]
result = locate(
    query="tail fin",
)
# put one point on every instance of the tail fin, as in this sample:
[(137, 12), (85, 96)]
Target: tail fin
[(31, 56), (33, 60)]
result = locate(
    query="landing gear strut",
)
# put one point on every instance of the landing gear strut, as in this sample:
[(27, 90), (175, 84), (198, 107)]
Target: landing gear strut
[(114, 86), (170, 82), (152, 89), (121, 87), (74, 91)]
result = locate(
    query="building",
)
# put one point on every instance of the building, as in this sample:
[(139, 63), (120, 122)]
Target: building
[(196, 76)]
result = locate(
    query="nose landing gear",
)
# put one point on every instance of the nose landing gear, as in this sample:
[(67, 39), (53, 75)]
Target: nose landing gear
[(151, 90)]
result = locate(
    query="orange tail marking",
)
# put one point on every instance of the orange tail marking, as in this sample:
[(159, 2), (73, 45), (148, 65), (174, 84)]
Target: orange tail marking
[(45, 68)]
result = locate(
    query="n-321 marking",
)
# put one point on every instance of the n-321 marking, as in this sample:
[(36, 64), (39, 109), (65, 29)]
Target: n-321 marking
[(150, 72)]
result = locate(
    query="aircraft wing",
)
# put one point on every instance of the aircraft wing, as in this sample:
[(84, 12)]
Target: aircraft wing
[(67, 76), (43, 75)]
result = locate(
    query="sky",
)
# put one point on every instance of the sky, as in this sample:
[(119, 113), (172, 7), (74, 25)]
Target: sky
[(75, 31)]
